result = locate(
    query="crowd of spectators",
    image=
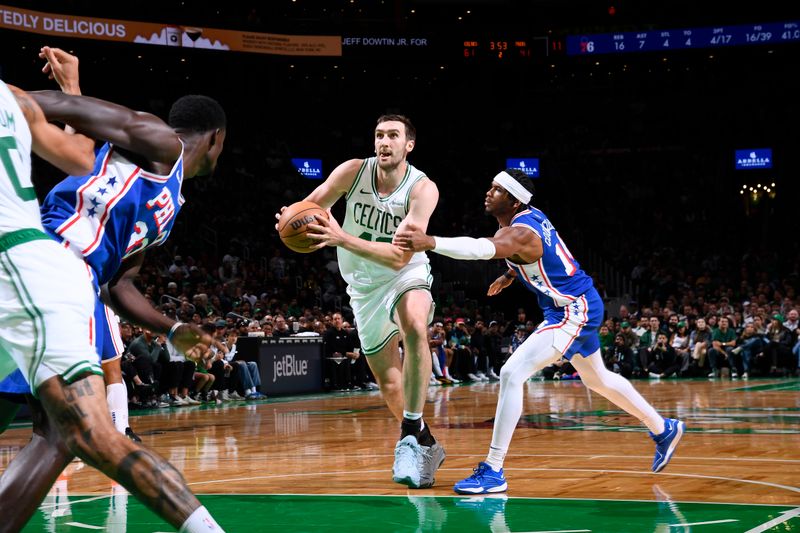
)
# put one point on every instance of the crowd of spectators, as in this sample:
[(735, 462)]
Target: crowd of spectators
[(701, 329)]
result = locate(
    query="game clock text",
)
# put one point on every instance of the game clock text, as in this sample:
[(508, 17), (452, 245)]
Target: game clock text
[(499, 49)]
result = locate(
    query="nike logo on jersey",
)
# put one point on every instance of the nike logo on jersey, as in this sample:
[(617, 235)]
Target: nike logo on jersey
[(362, 191)]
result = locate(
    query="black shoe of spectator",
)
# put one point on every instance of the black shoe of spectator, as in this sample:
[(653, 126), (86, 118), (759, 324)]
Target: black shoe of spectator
[(131, 435)]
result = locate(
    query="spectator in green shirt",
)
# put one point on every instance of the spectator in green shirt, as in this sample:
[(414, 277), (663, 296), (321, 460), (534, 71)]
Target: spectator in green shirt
[(721, 354), (606, 340)]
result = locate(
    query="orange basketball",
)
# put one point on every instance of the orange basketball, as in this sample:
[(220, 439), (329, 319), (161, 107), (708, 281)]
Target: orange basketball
[(294, 222)]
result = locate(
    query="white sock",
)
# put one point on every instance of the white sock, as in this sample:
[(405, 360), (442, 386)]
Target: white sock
[(200, 521), (437, 371), (495, 458), (117, 398)]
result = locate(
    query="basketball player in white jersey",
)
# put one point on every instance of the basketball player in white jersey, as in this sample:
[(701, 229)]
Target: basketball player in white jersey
[(573, 311), (389, 289), (46, 302)]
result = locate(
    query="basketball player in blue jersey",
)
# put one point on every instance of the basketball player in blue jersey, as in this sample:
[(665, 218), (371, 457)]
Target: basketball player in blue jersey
[(573, 312), (63, 68), (108, 217), (389, 289)]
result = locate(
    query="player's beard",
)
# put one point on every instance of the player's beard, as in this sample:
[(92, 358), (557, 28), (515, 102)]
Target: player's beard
[(391, 165)]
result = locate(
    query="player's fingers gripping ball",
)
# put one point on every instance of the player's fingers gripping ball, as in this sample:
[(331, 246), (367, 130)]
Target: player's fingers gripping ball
[(293, 225)]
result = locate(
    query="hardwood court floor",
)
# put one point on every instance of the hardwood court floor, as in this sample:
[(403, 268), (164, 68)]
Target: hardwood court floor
[(577, 463)]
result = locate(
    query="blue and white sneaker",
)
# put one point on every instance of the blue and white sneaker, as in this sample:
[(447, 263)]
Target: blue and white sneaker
[(482, 480), (666, 442)]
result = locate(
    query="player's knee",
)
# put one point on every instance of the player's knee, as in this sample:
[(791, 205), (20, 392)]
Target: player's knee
[(391, 391), (414, 329), (112, 372), (389, 385), (510, 378)]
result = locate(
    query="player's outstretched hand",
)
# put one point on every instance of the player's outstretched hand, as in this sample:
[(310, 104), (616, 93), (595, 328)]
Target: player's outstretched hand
[(278, 216), (411, 238), (62, 67), (498, 285), (327, 232), (193, 342)]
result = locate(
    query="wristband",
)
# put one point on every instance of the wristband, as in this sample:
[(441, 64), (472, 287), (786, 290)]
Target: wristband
[(173, 329), (508, 276)]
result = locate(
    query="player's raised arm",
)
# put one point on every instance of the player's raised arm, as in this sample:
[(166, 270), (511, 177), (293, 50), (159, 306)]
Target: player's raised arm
[(139, 132), (62, 67), (74, 154)]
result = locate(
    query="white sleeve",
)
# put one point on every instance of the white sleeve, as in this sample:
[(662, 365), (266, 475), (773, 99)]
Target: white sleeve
[(465, 247), (230, 354)]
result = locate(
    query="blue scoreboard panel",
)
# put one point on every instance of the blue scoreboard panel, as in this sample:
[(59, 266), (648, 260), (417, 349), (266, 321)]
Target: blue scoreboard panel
[(683, 39)]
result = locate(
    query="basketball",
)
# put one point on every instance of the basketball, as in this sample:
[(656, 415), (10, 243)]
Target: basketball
[(294, 222)]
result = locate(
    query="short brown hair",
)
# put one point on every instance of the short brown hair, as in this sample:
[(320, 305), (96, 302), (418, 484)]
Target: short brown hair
[(411, 131)]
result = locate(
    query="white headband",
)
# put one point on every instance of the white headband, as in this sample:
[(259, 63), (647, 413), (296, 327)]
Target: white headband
[(513, 187)]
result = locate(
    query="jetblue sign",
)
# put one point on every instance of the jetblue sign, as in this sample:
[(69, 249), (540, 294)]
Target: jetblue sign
[(308, 168), (290, 365), (529, 166), (755, 158)]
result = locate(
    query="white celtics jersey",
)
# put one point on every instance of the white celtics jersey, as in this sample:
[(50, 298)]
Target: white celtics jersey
[(373, 218), (18, 206)]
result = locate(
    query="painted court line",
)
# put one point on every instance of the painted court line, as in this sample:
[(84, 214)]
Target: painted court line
[(91, 499), (704, 523), (559, 531), (785, 516)]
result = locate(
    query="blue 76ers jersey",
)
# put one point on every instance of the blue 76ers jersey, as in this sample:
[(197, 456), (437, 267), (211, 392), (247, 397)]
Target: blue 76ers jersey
[(114, 212), (556, 277)]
